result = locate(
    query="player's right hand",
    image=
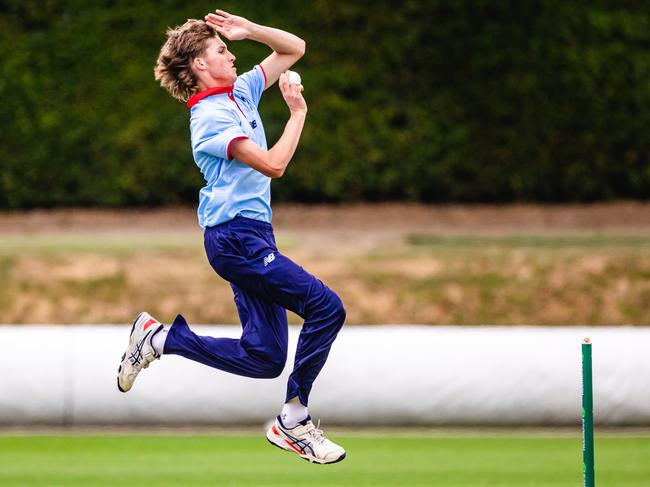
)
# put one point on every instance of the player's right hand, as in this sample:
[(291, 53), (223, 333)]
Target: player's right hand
[(292, 94), (232, 27)]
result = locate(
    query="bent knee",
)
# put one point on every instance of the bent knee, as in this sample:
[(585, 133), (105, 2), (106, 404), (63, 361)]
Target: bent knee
[(272, 370), (337, 308), (273, 366), (276, 371)]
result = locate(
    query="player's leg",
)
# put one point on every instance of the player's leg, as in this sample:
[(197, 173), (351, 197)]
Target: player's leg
[(261, 351), (267, 273), (324, 315), (275, 278)]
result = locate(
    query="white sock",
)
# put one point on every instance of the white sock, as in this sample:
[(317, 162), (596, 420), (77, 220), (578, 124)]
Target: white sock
[(158, 341), (293, 413)]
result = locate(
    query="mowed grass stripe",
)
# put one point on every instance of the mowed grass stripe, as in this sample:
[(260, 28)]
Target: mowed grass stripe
[(136, 241), (97, 242), (381, 460), (545, 241), (119, 242)]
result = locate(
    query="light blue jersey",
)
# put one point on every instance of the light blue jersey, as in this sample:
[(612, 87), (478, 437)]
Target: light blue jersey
[(219, 116)]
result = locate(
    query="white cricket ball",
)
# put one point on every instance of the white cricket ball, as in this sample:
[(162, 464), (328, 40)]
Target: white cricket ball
[(294, 78)]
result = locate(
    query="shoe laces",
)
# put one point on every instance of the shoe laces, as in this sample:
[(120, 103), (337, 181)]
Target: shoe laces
[(315, 432)]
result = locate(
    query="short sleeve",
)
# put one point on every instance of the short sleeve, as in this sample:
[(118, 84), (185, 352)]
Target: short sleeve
[(213, 133), (251, 84)]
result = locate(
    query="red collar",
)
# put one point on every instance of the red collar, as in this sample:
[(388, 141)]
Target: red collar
[(219, 90)]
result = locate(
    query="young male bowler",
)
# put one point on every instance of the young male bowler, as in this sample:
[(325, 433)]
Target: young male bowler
[(229, 147)]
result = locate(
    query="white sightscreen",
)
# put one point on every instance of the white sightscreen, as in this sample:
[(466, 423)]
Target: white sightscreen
[(376, 375)]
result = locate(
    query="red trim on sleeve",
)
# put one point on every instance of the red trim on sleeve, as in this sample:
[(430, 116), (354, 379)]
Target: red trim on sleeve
[(231, 141), (264, 73), (219, 90)]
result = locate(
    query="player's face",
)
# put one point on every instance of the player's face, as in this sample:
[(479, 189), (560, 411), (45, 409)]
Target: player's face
[(219, 61)]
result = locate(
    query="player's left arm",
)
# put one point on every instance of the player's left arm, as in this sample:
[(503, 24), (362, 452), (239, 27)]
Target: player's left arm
[(287, 47)]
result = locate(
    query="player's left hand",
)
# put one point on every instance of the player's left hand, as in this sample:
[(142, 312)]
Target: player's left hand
[(232, 27), (292, 94)]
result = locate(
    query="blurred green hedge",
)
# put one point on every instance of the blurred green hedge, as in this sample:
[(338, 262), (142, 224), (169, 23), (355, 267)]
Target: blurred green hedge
[(448, 100)]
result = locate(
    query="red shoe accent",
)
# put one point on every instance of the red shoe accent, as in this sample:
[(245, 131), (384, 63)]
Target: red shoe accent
[(299, 452), (275, 431), (149, 323)]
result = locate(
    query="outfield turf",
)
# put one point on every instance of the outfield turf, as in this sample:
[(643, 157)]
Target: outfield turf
[(455, 460)]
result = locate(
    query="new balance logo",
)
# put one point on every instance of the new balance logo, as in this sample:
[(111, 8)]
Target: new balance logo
[(269, 258), (254, 124)]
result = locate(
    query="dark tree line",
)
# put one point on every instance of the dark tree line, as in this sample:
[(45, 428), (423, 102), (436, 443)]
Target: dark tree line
[(448, 100)]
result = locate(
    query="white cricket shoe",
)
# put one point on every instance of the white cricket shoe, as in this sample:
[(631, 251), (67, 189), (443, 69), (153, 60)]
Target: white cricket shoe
[(140, 353), (306, 440)]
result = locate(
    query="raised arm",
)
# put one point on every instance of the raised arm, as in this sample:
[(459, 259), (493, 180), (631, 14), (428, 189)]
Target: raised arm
[(287, 48), (274, 161)]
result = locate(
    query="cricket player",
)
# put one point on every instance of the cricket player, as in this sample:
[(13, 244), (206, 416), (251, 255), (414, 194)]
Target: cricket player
[(229, 146)]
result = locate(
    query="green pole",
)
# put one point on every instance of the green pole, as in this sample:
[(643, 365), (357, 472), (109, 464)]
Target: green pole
[(587, 415)]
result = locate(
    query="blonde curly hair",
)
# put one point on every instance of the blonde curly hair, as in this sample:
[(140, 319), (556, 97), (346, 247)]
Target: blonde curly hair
[(174, 65)]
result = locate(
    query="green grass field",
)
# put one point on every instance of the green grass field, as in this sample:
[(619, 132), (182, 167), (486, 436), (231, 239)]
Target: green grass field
[(445, 460)]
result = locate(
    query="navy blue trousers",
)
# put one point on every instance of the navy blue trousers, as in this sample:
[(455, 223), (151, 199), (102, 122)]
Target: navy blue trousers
[(265, 284)]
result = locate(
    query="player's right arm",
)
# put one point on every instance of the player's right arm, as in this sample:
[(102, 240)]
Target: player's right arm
[(287, 48), (273, 162)]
